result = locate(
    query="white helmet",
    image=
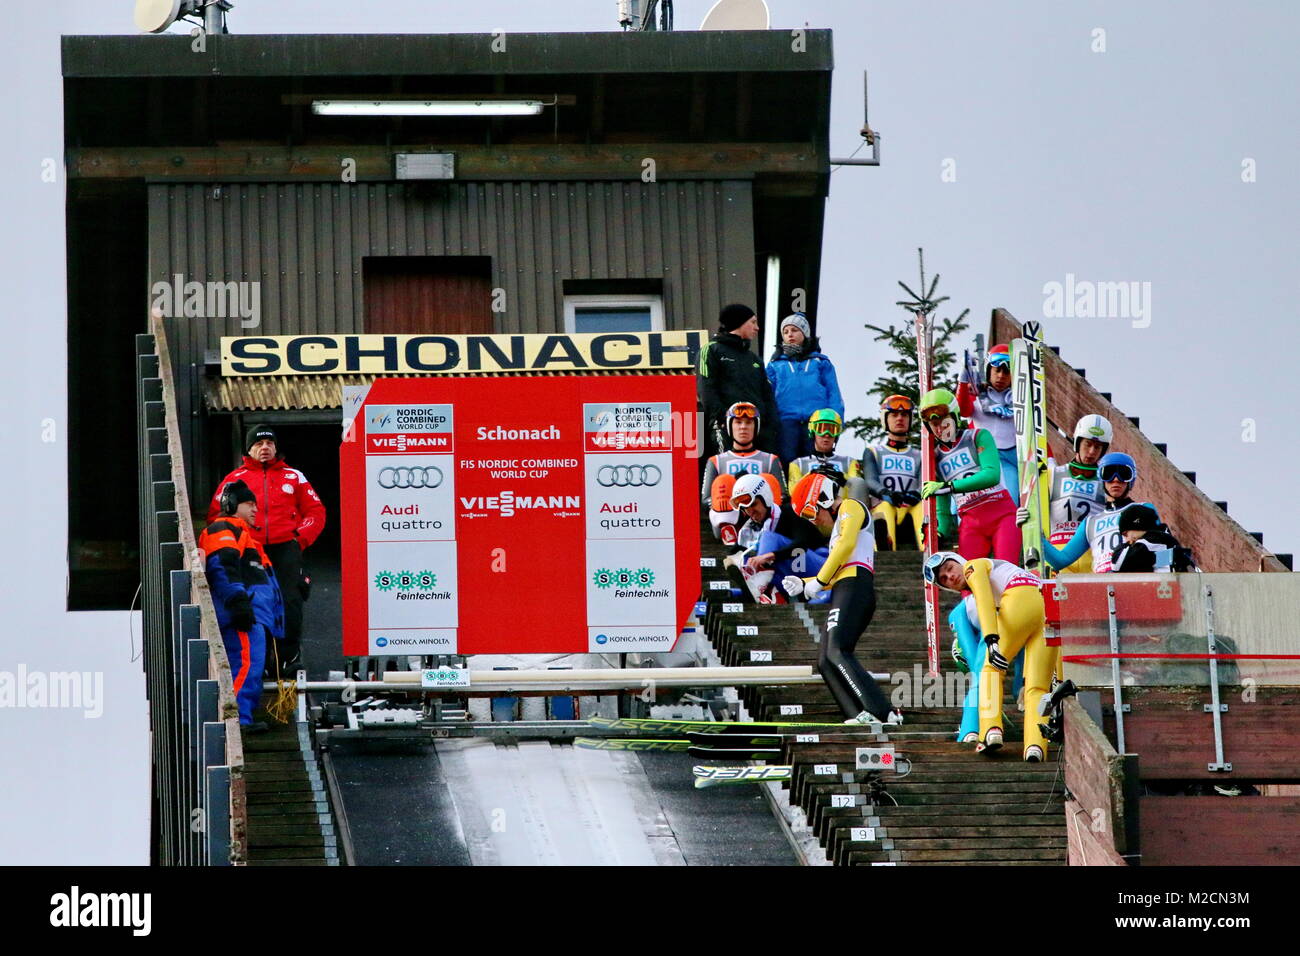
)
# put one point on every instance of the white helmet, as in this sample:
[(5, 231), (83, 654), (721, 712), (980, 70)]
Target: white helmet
[(1094, 427), (749, 486), (930, 569)]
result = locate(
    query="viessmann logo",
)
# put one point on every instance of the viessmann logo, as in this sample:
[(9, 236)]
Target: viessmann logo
[(507, 503), (410, 442)]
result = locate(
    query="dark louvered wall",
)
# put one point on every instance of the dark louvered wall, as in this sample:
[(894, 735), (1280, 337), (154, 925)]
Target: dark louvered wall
[(305, 242)]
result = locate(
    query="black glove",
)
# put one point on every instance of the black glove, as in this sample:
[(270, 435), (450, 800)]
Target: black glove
[(995, 656), (889, 497), (910, 499), (830, 471), (240, 609)]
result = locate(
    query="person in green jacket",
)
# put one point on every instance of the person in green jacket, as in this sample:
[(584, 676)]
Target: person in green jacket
[(970, 483)]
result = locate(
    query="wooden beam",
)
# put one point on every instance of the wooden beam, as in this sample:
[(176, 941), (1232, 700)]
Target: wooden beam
[(375, 163)]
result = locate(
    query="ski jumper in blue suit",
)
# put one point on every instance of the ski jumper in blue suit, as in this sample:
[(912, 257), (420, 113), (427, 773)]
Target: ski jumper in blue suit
[(802, 384), (972, 652), (793, 558), (247, 599)]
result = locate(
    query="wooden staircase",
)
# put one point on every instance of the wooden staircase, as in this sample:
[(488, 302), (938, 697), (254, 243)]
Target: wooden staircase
[(289, 818), (955, 807)]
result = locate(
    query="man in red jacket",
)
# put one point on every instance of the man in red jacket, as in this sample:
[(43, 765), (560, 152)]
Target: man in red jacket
[(290, 516)]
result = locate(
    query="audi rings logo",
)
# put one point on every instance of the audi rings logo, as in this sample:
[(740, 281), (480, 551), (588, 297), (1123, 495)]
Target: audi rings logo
[(628, 476), (426, 476)]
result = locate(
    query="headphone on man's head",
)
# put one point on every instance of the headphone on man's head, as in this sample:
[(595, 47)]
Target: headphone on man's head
[(228, 502)]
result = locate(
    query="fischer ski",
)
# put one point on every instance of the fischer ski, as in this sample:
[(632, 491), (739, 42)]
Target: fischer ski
[(715, 776), (851, 732), (924, 378), (1031, 439), (651, 725), (638, 744)]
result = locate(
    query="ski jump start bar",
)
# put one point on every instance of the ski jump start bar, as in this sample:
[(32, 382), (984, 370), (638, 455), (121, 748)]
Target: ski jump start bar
[(559, 682)]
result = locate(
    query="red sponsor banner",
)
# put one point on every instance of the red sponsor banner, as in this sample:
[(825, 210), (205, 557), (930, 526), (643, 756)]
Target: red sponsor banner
[(520, 515)]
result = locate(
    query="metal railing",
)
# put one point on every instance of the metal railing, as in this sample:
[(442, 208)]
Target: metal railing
[(199, 813)]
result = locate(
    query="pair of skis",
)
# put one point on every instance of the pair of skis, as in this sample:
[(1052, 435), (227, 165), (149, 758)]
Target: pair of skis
[(1029, 379), (717, 740), (925, 382), (716, 746)]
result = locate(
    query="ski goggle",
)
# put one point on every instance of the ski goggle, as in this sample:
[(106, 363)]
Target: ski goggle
[(742, 410), (897, 403), (825, 428), (935, 413), (1000, 358), (745, 500), (930, 570), (1117, 473)]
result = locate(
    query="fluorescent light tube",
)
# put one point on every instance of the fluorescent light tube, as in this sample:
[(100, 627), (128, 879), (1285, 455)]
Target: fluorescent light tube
[(379, 107)]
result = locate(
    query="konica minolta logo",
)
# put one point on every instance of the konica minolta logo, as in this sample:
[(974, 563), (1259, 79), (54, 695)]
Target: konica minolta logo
[(507, 503)]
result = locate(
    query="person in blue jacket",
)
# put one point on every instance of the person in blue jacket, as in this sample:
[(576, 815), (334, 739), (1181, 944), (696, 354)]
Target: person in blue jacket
[(803, 380), (245, 595)]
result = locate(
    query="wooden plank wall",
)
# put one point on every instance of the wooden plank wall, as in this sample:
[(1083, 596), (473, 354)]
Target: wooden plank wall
[(1220, 831), (1101, 819)]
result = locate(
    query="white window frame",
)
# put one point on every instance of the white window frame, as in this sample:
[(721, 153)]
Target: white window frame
[(574, 302)]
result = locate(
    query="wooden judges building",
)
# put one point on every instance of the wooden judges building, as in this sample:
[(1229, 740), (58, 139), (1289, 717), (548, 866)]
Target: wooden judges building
[(249, 188)]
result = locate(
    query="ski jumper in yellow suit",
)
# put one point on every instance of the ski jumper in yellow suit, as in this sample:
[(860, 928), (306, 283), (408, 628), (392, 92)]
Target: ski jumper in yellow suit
[(1009, 602)]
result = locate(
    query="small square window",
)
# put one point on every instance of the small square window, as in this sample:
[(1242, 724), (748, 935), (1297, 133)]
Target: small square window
[(613, 313)]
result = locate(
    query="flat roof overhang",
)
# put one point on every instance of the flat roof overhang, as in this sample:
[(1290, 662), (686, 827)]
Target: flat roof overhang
[(469, 54)]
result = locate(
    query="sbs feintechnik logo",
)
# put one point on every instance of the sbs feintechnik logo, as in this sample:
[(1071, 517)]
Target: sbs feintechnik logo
[(411, 585), (628, 583)]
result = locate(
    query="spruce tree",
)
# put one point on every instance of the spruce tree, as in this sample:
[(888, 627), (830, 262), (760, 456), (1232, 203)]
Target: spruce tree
[(901, 373)]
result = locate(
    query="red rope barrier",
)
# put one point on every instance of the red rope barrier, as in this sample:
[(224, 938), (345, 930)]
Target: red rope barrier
[(1076, 658)]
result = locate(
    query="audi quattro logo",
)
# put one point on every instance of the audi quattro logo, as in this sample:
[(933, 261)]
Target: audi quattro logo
[(628, 476), (425, 476)]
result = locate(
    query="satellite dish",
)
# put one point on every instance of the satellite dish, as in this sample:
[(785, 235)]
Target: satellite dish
[(737, 15), (155, 16)]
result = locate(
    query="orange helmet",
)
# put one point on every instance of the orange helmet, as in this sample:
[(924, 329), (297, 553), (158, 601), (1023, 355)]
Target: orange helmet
[(813, 491)]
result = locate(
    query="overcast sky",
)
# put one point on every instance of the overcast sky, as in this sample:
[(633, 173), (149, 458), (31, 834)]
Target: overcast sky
[(1122, 165)]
